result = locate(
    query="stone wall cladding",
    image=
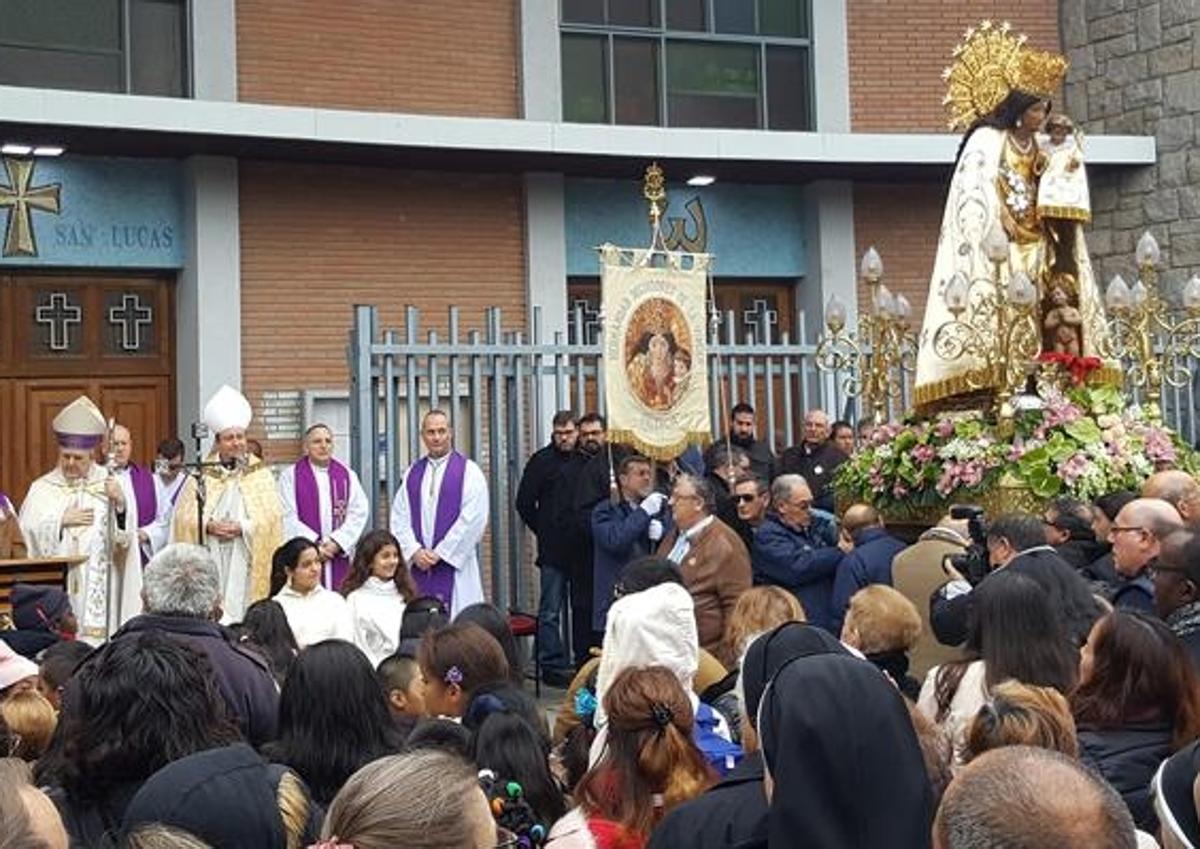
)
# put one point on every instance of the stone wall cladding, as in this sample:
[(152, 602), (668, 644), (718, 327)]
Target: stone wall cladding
[(1135, 69)]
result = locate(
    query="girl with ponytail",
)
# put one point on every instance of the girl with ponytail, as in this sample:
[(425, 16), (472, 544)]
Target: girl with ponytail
[(649, 765)]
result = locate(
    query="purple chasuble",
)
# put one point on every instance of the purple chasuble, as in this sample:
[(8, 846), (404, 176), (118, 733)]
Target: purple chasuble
[(146, 498), (308, 508), (438, 581)]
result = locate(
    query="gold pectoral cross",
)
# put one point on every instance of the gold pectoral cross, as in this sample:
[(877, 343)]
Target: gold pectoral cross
[(23, 199)]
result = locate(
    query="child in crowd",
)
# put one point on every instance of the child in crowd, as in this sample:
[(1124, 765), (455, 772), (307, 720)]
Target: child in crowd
[(454, 661), (400, 677), (377, 588), (314, 612)]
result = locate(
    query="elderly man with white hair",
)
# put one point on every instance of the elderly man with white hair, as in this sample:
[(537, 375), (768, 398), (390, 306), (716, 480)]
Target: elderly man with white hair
[(243, 519), (181, 595)]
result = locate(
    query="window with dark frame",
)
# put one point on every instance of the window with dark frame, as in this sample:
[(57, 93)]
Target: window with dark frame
[(743, 64), (118, 46)]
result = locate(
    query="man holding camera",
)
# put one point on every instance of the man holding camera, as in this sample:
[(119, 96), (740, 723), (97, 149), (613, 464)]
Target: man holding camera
[(1014, 541)]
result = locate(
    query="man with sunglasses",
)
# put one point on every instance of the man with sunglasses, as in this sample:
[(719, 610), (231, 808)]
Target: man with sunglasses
[(797, 550), (1176, 582), (1136, 536)]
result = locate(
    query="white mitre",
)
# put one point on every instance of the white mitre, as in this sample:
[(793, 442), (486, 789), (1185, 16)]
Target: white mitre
[(227, 409), (80, 425)]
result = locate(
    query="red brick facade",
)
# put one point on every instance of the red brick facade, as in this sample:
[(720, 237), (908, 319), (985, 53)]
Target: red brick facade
[(317, 239), (899, 48), (457, 58)]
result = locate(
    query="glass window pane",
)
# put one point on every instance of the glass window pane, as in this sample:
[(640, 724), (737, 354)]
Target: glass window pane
[(91, 24), (635, 79), (583, 11), (783, 17), (687, 15), (735, 16), (156, 37), (59, 69), (633, 13), (712, 85), (788, 88), (585, 78)]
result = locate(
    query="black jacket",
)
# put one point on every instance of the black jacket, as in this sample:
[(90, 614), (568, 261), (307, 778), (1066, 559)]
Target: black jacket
[(731, 815), (816, 465), (544, 500), (243, 677), (1128, 757), (1135, 593), (94, 822), (1067, 590), (726, 511), (762, 459), (1082, 553)]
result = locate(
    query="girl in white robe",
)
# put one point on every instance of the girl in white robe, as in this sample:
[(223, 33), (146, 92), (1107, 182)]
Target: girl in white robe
[(314, 612), (376, 590)]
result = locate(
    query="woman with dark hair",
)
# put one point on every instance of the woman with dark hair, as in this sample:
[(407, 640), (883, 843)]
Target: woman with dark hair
[(1013, 633), (376, 588), (454, 661), (313, 612), (844, 767), (649, 765), (333, 718), (509, 737), (265, 628), (135, 705), (993, 228), (1138, 700), (490, 619)]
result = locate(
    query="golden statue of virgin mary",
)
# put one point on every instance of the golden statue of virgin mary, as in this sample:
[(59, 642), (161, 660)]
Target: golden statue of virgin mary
[(999, 94)]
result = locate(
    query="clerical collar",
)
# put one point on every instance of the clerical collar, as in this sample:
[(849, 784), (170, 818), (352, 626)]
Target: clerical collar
[(437, 461)]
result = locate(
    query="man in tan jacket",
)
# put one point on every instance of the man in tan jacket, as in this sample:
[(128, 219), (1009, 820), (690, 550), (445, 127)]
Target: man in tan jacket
[(711, 556), (916, 573)]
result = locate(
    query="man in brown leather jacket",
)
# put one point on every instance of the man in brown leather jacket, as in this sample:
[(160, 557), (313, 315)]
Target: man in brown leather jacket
[(711, 556)]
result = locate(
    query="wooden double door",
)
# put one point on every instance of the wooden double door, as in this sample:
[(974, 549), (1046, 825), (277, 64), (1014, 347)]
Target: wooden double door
[(65, 335)]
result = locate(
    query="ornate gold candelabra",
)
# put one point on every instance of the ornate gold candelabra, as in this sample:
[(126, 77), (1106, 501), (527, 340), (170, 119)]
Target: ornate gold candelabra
[(876, 355), (992, 324), (1151, 337)]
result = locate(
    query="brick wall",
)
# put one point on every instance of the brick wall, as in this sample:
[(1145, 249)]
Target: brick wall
[(901, 220), (317, 239), (898, 49), (455, 58)]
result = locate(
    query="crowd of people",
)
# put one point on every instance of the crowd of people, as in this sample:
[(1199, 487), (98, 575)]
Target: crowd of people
[(741, 666)]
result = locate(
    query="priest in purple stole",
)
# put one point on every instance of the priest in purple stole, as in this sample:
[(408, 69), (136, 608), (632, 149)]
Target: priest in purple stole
[(324, 501), (141, 497), (439, 515)]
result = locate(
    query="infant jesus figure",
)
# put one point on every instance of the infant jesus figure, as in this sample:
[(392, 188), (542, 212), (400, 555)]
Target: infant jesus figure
[(1062, 328)]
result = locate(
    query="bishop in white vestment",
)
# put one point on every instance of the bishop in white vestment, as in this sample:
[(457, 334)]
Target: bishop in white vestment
[(243, 523), (66, 514), (324, 501), (439, 515)]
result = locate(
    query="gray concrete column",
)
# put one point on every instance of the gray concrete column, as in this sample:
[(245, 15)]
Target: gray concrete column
[(208, 321), (541, 61), (546, 266), (831, 65), (214, 49)]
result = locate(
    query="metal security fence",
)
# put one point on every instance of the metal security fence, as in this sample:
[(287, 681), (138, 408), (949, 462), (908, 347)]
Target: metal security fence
[(502, 387)]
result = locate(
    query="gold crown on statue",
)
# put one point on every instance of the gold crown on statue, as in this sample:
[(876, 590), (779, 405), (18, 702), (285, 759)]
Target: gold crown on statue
[(990, 63)]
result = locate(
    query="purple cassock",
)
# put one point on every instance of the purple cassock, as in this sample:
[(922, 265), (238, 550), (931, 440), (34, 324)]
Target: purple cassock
[(146, 498), (308, 509), (438, 581)]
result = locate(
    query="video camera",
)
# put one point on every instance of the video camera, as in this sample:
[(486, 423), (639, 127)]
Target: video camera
[(973, 564)]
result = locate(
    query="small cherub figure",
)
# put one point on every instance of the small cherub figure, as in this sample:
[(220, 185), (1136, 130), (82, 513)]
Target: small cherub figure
[(1063, 324)]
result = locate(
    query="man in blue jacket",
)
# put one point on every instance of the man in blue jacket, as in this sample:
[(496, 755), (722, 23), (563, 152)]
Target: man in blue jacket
[(797, 550), (626, 530), (869, 560)]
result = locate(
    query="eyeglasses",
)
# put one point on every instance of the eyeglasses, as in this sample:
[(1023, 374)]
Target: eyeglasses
[(743, 498), (1121, 529)]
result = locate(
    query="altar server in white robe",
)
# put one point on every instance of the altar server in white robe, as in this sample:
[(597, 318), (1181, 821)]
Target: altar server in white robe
[(169, 479), (439, 515), (377, 589), (313, 612), (66, 514), (243, 522), (323, 501)]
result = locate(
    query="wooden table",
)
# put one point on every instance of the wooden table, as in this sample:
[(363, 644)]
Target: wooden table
[(41, 571)]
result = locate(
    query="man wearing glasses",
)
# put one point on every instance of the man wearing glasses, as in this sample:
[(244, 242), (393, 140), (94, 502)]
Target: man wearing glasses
[(797, 550), (753, 497), (1136, 536)]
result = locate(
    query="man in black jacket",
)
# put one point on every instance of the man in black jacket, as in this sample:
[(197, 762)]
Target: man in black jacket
[(741, 435), (1017, 541), (546, 512), (591, 485), (1177, 588), (181, 597), (815, 459), (1136, 536)]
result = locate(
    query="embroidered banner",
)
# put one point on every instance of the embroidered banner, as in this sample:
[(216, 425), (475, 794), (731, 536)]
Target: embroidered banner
[(655, 349)]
